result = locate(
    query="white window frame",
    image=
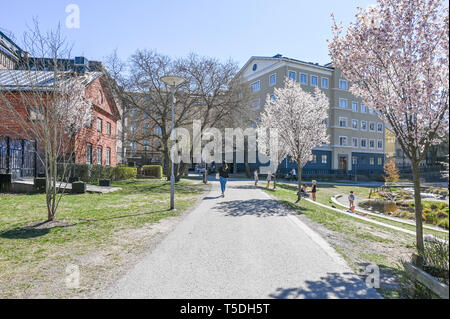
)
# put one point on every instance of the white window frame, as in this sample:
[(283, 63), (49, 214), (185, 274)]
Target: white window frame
[(108, 157), (378, 145), (99, 158), (300, 78), (346, 103), (346, 84), (326, 159), (374, 126), (310, 80), (346, 121), (295, 75), (346, 140), (327, 81), (353, 142), (380, 161), (357, 125), (363, 129), (372, 161), (374, 144), (382, 127), (361, 142), (363, 108), (253, 87), (270, 79), (353, 104)]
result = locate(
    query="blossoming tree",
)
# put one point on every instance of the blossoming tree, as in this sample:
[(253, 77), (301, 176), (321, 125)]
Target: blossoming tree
[(396, 56), (48, 107), (298, 118)]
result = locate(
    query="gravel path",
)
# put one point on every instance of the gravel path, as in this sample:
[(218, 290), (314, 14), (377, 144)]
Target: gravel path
[(245, 245)]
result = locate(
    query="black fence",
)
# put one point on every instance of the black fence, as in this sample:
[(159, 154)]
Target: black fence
[(18, 157)]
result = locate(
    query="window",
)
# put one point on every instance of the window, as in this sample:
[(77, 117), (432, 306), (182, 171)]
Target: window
[(108, 156), (380, 161), (88, 153), (303, 78), (364, 125), (372, 126), (133, 128), (343, 85), (380, 127), (371, 143), (257, 104), (273, 79), (355, 124), (273, 97), (363, 108), (363, 143), (256, 86), (343, 103), (99, 125), (99, 156), (380, 144), (342, 122), (343, 140), (355, 106), (326, 121), (354, 141), (324, 159), (108, 128), (314, 80), (314, 159), (158, 130), (372, 161), (325, 83), (89, 124), (146, 145), (371, 111), (292, 75), (354, 160)]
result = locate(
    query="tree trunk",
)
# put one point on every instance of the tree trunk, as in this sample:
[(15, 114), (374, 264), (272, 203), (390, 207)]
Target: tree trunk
[(418, 207), (299, 184)]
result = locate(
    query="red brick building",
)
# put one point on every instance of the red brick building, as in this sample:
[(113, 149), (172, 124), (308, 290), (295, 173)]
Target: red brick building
[(95, 144)]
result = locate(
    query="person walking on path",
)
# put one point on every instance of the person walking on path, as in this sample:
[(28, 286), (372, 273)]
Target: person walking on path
[(256, 177), (223, 173), (314, 190), (351, 200), (294, 174), (269, 178)]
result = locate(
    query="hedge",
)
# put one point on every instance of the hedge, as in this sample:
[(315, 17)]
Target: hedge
[(153, 171), (92, 173)]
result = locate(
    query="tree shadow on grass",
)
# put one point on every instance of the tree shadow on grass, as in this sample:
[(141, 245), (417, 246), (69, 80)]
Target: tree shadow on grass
[(253, 207), (34, 230), (332, 286)]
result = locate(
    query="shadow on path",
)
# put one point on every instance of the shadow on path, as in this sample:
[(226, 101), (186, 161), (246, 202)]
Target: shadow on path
[(253, 207), (341, 286)]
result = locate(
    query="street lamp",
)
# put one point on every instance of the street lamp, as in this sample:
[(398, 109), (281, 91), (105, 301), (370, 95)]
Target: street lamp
[(173, 82)]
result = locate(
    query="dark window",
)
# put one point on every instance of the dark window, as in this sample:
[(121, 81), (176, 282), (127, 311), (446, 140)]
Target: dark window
[(99, 156), (89, 154)]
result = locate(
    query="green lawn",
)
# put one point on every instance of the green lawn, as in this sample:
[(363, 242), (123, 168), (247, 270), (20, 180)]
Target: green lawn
[(101, 225)]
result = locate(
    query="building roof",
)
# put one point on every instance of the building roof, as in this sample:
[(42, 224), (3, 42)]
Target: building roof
[(9, 47), (21, 80), (280, 57)]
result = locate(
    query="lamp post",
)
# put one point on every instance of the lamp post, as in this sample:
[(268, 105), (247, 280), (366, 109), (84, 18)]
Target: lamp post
[(173, 82)]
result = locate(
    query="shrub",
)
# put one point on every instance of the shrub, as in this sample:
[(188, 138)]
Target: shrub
[(124, 172), (153, 171)]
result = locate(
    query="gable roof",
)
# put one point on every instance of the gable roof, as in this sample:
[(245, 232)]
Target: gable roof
[(281, 58), (25, 80)]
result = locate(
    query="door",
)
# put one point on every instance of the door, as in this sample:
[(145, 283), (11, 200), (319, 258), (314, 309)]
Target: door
[(343, 163)]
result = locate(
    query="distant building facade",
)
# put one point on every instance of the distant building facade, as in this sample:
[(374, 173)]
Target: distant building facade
[(357, 134)]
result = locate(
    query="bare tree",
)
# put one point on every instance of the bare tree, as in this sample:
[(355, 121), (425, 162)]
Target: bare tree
[(210, 94), (46, 106)]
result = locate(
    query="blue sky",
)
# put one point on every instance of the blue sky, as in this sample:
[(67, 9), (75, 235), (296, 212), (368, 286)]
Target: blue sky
[(223, 29)]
